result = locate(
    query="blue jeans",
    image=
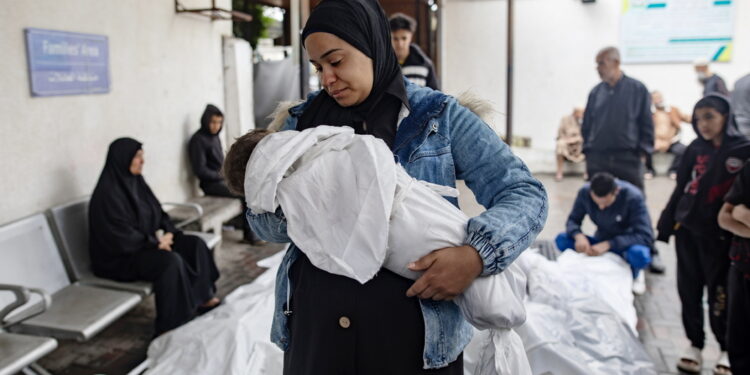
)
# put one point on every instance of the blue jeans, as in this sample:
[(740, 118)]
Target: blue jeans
[(638, 256)]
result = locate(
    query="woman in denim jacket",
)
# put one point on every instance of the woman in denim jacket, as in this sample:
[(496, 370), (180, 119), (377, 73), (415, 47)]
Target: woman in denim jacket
[(329, 324)]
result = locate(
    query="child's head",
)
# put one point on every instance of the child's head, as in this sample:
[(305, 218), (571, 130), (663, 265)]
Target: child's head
[(710, 117), (237, 157)]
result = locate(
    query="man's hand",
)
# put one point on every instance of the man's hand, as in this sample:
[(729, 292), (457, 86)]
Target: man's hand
[(166, 241), (599, 249), (582, 244), (447, 272)]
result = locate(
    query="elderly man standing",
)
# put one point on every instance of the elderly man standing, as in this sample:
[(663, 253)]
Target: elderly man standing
[(618, 130), (711, 81)]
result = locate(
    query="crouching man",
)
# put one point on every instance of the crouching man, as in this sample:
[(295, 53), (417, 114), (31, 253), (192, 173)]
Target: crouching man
[(623, 226)]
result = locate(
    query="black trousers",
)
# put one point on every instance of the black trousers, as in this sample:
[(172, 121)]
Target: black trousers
[(702, 262), (623, 165), (341, 327), (183, 279), (738, 334), (677, 149), (220, 189)]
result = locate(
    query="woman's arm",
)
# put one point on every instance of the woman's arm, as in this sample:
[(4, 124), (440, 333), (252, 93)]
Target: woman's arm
[(728, 223), (516, 202), (516, 209), (269, 226), (742, 214)]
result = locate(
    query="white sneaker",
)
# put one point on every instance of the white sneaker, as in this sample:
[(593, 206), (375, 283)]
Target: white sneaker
[(722, 365), (639, 284)]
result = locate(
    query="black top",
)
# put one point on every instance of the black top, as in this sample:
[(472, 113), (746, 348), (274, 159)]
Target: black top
[(124, 213), (618, 118), (704, 176), (204, 149), (419, 69), (739, 194), (715, 84)]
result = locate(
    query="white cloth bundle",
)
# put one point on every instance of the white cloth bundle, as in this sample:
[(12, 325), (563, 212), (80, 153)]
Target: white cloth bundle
[(352, 210)]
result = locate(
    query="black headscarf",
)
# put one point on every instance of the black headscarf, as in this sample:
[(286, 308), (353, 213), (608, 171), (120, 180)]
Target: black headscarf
[(208, 113), (363, 24), (124, 214)]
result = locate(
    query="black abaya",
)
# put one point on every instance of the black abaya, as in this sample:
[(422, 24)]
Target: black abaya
[(124, 216)]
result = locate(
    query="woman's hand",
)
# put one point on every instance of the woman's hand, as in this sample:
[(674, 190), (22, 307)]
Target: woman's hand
[(166, 241), (741, 214), (447, 272)]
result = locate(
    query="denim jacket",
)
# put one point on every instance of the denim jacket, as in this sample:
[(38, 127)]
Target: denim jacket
[(441, 141)]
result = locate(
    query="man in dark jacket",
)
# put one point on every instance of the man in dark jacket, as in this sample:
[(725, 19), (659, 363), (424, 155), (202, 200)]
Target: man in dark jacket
[(415, 65), (618, 127), (207, 157), (618, 130), (623, 225)]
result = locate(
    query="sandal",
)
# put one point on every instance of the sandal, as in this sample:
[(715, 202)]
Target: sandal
[(722, 365), (691, 361)]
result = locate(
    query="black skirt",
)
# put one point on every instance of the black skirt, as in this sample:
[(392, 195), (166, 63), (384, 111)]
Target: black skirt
[(339, 326), (183, 278)]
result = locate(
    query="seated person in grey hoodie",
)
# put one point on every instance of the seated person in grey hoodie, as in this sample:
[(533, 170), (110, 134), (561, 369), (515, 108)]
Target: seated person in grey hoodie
[(207, 157)]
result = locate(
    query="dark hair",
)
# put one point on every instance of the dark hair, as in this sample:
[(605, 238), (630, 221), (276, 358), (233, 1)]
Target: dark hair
[(400, 21), (237, 157), (720, 105), (603, 184)]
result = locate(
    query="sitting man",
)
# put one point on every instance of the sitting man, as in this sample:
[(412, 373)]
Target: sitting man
[(667, 125), (570, 142), (619, 212)]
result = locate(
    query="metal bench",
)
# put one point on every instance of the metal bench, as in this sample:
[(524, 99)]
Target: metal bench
[(20, 352), (31, 259), (216, 211), (70, 224)]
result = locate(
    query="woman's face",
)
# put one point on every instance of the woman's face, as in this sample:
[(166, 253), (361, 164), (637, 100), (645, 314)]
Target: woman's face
[(345, 72), (710, 123), (136, 165)]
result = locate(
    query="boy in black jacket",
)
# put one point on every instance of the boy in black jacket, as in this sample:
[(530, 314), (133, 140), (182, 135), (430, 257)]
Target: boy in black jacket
[(706, 173), (735, 217)]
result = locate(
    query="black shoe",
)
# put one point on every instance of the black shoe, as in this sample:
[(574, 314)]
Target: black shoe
[(657, 266)]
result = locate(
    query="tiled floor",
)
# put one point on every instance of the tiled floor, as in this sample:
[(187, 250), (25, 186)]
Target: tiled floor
[(123, 345)]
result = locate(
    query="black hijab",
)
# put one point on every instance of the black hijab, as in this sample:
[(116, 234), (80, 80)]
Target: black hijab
[(208, 113), (124, 214), (363, 24)]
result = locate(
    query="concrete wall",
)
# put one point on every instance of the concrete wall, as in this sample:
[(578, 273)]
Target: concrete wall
[(164, 68), (555, 45)]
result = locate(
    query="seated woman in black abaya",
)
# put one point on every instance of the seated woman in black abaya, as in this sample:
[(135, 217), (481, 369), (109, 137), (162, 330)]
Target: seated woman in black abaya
[(132, 238)]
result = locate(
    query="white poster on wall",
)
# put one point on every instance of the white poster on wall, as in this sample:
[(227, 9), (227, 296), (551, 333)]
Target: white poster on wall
[(674, 31)]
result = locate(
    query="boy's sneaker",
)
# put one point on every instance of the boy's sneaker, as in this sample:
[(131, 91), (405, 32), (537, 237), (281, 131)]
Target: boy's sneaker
[(639, 284)]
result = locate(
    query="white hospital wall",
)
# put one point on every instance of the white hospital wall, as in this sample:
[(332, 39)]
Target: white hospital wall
[(164, 68), (555, 45)]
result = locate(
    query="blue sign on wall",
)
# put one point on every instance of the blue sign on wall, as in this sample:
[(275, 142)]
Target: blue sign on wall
[(64, 63)]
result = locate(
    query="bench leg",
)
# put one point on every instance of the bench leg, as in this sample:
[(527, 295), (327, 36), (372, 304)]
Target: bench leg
[(35, 369)]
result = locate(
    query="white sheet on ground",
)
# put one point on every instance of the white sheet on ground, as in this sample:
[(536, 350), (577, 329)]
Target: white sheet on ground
[(233, 339), (580, 316)]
